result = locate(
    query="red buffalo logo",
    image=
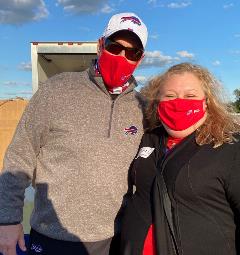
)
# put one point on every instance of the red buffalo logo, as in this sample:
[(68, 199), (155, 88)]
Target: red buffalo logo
[(132, 130), (132, 19)]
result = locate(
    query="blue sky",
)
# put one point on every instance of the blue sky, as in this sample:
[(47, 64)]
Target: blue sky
[(200, 31)]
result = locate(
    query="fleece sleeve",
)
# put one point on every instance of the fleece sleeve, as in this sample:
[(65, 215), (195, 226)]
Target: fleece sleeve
[(21, 156), (233, 187)]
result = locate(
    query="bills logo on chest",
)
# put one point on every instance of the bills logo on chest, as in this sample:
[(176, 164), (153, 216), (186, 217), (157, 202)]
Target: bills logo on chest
[(132, 130)]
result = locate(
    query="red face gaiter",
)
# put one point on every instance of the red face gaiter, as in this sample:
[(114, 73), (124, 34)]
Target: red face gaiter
[(115, 70), (180, 114)]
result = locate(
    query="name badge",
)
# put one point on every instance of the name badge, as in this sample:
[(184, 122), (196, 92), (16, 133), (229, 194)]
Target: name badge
[(145, 152)]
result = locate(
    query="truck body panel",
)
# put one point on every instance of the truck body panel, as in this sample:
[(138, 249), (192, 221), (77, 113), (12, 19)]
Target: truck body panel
[(50, 58)]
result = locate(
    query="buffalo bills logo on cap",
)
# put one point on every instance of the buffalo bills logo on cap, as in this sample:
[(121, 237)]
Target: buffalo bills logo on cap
[(133, 19), (131, 130)]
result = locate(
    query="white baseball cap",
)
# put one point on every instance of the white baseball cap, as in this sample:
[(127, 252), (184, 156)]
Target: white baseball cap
[(127, 21)]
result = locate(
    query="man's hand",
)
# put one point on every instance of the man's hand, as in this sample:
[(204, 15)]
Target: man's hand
[(9, 237)]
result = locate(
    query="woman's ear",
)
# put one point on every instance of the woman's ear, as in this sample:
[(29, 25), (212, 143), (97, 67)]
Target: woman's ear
[(205, 104)]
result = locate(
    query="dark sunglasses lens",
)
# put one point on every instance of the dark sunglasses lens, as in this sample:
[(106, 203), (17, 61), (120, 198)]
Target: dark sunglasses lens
[(113, 47), (133, 54)]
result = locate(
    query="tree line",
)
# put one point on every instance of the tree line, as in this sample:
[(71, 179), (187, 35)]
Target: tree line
[(236, 103)]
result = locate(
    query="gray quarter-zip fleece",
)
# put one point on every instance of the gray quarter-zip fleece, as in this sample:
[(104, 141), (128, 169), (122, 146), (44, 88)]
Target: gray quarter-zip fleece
[(76, 145)]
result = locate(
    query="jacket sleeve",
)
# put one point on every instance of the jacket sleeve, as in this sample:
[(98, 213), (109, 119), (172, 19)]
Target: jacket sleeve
[(21, 157), (233, 185)]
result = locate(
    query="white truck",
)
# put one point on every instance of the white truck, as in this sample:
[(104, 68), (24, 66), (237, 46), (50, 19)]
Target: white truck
[(49, 58)]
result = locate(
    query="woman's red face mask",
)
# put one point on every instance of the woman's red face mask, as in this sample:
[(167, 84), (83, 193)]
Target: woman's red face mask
[(180, 114)]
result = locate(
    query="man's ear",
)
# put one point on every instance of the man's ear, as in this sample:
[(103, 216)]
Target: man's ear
[(100, 45), (140, 60)]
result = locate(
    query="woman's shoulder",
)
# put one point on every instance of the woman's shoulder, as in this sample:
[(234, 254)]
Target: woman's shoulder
[(235, 142), (237, 137), (229, 150)]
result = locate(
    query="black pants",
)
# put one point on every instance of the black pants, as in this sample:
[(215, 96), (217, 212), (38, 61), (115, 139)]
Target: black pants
[(43, 245)]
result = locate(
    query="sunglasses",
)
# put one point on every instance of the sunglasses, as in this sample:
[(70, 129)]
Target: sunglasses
[(115, 48)]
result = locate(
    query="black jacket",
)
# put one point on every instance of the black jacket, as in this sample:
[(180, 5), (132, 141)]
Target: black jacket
[(203, 185)]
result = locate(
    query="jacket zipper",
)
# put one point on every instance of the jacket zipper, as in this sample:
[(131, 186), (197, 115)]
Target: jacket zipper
[(110, 119)]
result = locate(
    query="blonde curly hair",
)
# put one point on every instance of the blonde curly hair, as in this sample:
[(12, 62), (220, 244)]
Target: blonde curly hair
[(220, 125)]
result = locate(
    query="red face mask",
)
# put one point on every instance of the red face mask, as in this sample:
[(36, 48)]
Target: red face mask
[(180, 114), (115, 70)]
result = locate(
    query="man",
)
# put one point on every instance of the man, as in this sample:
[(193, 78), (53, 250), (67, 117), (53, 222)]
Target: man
[(75, 142)]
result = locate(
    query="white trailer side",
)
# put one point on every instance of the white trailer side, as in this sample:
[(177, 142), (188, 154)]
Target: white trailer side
[(49, 58)]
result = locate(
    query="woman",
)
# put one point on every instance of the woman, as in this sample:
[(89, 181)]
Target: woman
[(187, 170)]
